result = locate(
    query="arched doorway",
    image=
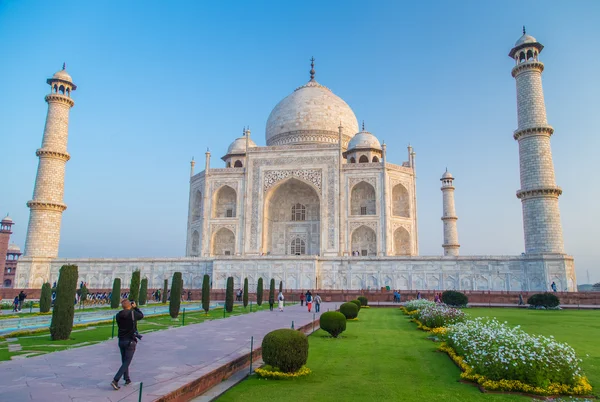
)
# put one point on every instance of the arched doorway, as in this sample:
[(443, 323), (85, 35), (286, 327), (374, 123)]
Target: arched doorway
[(402, 244), (223, 242), (195, 243), (400, 201), (364, 240), (224, 205), (362, 199), (292, 219)]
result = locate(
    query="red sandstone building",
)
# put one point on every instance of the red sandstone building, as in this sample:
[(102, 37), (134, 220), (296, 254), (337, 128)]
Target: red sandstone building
[(9, 254)]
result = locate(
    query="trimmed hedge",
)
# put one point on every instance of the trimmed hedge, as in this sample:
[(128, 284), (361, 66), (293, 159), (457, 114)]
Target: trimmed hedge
[(115, 296), (363, 300), (272, 291), (546, 300), (64, 306), (454, 298), (259, 291), (280, 286), (46, 298), (134, 287), (175, 302), (165, 293), (229, 295), (285, 349), (333, 323), (143, 291), (357, 302), (206, 293), (350, 310), (245, 296)]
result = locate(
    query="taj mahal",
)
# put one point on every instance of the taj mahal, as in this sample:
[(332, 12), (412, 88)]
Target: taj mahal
[(320, 206)]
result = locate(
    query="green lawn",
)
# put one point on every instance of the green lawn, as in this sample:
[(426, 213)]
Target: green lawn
[(384, 357), (33, 345)]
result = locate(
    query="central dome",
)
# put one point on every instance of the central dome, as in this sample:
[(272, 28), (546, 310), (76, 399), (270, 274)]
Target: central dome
[(311, 114)]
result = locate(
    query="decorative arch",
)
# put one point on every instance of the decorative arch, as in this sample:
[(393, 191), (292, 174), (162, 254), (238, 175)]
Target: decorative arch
[(363, 159), (375, 159), (61, 90), (197, 206), (522, 57), (223, 242), (297, 246), (402, 243), (224, 205), (529, 55), (195, 243), (364, 240), (362, 199), (352, 160), (7, 283), (238, 164), (400, 201)]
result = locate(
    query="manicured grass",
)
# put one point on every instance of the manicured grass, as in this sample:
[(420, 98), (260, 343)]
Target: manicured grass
[(32, 345), (381, 357)]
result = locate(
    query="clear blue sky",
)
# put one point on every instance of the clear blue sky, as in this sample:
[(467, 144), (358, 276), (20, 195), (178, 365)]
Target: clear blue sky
[(160, 81)]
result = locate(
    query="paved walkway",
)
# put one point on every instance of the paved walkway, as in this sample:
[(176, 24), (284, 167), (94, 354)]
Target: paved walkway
[(164, 360)]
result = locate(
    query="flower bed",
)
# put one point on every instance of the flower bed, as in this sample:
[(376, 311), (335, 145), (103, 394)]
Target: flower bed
[(267, 371), (502, 358), (418, 304), (439, 315)]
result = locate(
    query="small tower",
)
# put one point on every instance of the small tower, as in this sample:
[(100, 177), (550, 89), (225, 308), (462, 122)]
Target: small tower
[(5, 232), (539, 192), (46, 207), (449, 217), (364, 147), (237, 151)]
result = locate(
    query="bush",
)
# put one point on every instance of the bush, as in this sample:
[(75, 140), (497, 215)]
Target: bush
[(64, 306), (546, 300), (229, 295), (175, 302), (45, 298), (143, 291), (165, 293), (285, 349), (280, 286), (333, 322), (206, 293), (363, 300), (259, 291), (272, 291), (357, 302), (350, 310), (134, 287), (454, 298), (115, 296), (245, 296)]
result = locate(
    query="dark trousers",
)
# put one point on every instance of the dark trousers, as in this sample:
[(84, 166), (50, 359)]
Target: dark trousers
[(301, 302), (127, 348), (270, 306), (317, 307)]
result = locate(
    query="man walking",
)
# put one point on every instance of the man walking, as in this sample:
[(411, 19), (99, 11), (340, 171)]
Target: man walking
[(128, 337), (318, 303), (309, 300), (22, 297)]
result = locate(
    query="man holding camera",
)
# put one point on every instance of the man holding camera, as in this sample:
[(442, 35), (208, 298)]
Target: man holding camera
[(128, 337)]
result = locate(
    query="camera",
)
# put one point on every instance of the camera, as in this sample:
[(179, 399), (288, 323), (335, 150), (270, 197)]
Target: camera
[(138, 335)]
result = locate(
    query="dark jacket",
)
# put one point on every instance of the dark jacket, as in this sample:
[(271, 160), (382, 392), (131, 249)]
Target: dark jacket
[(127, 326)]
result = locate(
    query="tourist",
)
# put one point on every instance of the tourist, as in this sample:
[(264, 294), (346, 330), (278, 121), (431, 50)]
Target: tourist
[(521, 303), (301, 299), (436, 298), (309, 300), (16, 304), (280, 298), (318, 302), (418, 295), (553, 286), (399, 296), (22, 297), (395, 296), (189, 295), (128, 338), (158, 293), (271, 301)]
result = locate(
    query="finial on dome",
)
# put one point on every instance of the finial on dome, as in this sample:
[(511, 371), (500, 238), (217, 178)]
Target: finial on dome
[(524, 32), (312, 68), (64, 66), (207, 150), (244, 131), (363, 126)]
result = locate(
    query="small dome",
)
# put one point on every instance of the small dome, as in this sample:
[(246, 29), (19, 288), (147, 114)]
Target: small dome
[(14, 248), (525, 39), (447, 175), (364, 139), (62, 75), (7, 219), (238, 146)]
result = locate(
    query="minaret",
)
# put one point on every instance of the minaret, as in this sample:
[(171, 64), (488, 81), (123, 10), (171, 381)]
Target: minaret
[(449, 218), (539, 192), (46, 207), (5, 232), (192, 164)]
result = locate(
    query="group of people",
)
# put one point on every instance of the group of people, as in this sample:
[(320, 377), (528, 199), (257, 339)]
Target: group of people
[(397, 296), (309, 299), (437, 298), (18, 301)]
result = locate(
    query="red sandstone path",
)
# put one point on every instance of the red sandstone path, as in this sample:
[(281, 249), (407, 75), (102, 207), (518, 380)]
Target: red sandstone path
[(164, 360)]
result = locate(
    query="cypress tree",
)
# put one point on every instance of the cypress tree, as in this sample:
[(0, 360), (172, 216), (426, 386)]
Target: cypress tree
[(45, 298), (64, 307), (175, 302), (280, 286), (272, 290), (245, 297), (115, 296), (143, 291), (134, 288), (229, 295), (259, 291), (206, 293), (165, 291)]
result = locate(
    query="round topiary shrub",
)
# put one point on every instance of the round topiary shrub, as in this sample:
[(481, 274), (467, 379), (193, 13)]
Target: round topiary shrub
[(546, 300), (454, 298), (363, 300), (285, 349), (357, 302), (333, 322), (350, 310)]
